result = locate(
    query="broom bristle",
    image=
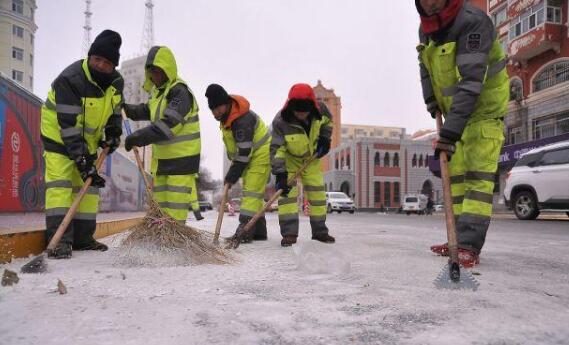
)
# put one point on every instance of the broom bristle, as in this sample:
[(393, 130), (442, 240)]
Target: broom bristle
[(163, 233)]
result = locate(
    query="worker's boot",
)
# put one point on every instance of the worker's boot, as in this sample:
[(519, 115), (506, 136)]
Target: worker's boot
[(198, 215), (288, 240), (92, 245), (260, 233), (63, 250), (468, 258), (323, 237), (440, 249)]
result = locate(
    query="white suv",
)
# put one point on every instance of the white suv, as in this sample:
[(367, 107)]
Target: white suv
[(539, 181), (338, 201)]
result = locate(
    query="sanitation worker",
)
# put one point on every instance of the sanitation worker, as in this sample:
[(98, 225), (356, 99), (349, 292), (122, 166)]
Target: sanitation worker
[(247, 140), (463, 76), (301, 129), (174, 133), (81, 114)]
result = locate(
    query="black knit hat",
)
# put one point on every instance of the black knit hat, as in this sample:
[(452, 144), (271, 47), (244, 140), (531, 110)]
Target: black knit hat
[(216, 96), (107, 45)]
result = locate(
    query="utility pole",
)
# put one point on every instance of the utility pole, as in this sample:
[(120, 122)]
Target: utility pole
[(87, 28), (148, 30)]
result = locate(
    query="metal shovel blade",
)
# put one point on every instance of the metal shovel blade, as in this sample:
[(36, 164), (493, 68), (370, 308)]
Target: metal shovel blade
[(455, 278), (36, 265)]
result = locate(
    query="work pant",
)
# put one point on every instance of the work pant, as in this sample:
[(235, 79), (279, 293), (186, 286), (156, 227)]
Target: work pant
[(173, 193), (472, 173), (254, 179), (313, 183), (194, 203), (62, 183)]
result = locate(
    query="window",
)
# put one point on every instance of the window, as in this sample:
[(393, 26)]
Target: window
[(551, 126), (514, 135), (554, 15), (555, 157), (499, 16), (421, 161), (31, 82), (348, 161), (414, 160), (342, 162), (396, 159), (336, 163), (527, 21), (17, 75), (504, 44), (17, 53), (394, 134), (551, 75), (376, 192), (516, 90), (528, 160), (426, 161), (32, 60), (386, 159), (376, 159), (18, 31), (387, 193), (18, 6), (396, 192)]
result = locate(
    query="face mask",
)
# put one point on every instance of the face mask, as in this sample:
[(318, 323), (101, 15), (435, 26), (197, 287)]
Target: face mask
[(104, 80)]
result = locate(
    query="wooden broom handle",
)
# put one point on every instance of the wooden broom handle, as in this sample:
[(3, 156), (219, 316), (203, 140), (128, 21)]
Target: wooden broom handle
[(220, 213), (73, 209)]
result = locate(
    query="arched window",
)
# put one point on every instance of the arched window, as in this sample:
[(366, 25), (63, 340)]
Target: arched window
[(348, 161), (421, 161), (516, 89), (551, 75), (414, 160), (386, 159), (376, 159), (396, 159), (336, 163)]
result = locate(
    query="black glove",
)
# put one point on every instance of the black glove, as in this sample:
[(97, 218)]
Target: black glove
[(432, 107), (112, 138), (282, 183), (235, 172), (322, 147), (444, 144), (87, 169), (133, 140)]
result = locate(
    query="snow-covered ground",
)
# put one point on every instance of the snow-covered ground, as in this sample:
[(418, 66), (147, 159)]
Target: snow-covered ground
[(374, 286)]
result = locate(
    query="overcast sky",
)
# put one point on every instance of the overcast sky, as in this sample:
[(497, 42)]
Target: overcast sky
[(363, 49)]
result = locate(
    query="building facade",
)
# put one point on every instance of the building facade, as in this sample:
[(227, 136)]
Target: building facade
[(353, 132), (132, 71), (379, 172), (334, 104), (17, 33), (535, 36)]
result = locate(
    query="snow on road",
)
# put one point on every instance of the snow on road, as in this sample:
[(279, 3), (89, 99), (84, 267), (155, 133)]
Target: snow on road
[(374, 286)]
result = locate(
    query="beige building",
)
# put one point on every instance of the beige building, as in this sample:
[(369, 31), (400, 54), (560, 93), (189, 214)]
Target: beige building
[(334, 104), (132, 71), (17, 30), (353, 132)]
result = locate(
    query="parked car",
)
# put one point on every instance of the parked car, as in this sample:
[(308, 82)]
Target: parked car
[(415, 203), (539, 181), (205, 205), (439, 208), (338, 201)]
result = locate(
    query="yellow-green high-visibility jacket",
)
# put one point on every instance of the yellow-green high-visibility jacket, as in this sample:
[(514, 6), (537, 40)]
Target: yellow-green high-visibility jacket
[(77, 112), (245, 135), (173, 111), (292, 142), (463, 72)]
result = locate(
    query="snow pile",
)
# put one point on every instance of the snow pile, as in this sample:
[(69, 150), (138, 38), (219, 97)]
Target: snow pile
[(319, 258)]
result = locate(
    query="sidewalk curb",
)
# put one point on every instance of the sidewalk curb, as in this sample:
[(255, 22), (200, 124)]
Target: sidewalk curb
[(23, 242)]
